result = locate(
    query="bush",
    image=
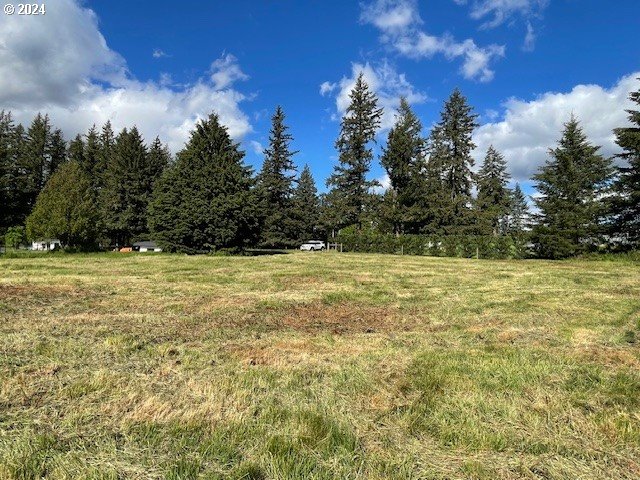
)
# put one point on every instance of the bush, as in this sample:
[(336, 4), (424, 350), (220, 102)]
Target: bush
[(464, 246)]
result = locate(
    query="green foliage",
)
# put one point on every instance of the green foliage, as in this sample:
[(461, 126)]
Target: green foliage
[(275, 186), (572, 184), (128, 181), (519, 217), (449, 176), (404, 160), (467, 246), (626, 204), (15, 237), (494, 198), (357, 129), (65, 209), (305, 209), (205, 201)]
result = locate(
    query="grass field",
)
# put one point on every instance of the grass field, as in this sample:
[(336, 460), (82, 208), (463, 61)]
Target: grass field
[(318, 366)]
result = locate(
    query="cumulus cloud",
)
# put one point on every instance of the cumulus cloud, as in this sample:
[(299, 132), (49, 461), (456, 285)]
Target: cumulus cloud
[(386, 82), (80, 81), (257, 147), (225, 71), (399, 24), (529, 128), (384, 183)]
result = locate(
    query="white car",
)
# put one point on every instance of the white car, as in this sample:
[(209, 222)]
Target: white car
[(312, 245)]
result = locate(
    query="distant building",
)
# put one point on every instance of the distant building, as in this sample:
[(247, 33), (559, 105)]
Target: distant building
[(146, 246), (46, 245)]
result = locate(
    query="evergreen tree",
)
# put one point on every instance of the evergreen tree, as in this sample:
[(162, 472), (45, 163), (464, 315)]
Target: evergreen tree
[(276, 186), (358, 129), (572, 184), (403, 159), (76, 152), (36, 159), (58, 152), (454, 133), (65, 209), (494, 199), (7, 171), (126, 191), (305, 209), (104, 155), (437, 211), (518, 212), (205, 201), (91, 157), (626, 203)]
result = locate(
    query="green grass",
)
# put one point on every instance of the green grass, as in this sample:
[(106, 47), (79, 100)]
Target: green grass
[(318, 366)]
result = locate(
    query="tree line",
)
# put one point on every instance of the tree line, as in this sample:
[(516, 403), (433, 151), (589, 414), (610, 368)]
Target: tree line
[(104, 189)]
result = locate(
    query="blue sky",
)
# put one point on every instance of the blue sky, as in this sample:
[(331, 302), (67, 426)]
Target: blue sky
[(525, 66)]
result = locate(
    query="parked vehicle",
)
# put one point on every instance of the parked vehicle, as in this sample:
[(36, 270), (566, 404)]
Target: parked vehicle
[(313, 245)]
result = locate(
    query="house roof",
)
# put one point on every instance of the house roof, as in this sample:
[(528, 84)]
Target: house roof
[(146, 244)]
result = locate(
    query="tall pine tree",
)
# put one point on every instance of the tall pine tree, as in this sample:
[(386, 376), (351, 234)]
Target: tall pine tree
[(494, 198), (349, 179), (626, 203), (276, 186), (519, 217), (572, 184), (126, 190), (305, 210), (456, 126), (404, 160), (205, 201)]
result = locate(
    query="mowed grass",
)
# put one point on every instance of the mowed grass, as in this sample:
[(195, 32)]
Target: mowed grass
[(318, 366)]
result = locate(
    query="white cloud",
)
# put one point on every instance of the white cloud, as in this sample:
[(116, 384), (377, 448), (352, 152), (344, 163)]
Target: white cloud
[(502, 10), (386, 82), (384, 182), (327, 87), (159, 53), (391, 15), (398, 21), (529, 128), (80, 81), (226, 71), (529, 39), (257, 147)]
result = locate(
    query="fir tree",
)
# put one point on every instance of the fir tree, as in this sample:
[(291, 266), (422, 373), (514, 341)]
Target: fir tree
[(572, 184), (403, 159), (626, 203), (8, 171), (76, 152), (91, 157), (65, 209), (126, 191), (58, 152), (518, 222), (455, 131), (276, 186), (36, 158), (305, 209), (205, 201), (494, 200), (437, 211), (358, 128)]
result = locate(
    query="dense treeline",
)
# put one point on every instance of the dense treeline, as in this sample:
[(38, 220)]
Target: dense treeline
[(105, 190)]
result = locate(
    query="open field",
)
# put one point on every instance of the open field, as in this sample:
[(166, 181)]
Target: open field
[(318, 366)]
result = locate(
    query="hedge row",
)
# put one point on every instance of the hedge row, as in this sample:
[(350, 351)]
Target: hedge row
[(466, 246)]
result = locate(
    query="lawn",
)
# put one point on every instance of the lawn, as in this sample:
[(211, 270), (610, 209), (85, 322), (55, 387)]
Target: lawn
[(318, 366)]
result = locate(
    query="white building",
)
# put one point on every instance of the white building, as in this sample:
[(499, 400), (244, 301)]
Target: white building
[(46, 245)]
